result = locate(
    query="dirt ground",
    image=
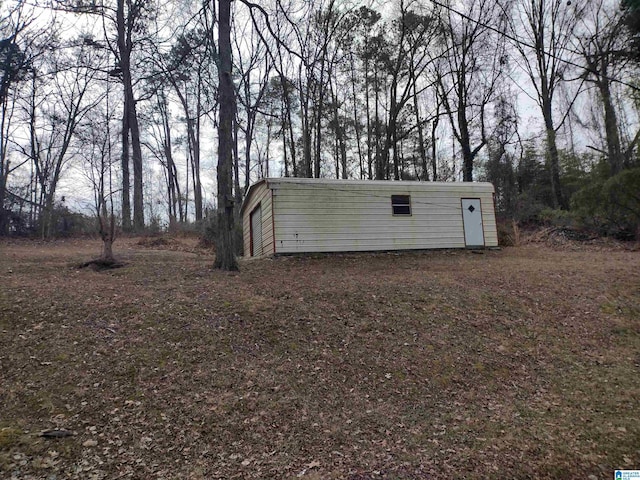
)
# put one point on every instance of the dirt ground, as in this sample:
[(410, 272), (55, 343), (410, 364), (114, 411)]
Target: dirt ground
[(520, 363)]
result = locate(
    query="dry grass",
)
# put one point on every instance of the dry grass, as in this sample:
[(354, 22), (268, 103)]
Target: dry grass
[(522, 363)]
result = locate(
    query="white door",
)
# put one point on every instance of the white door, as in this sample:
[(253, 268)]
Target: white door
[(472, 219), (256, 232)]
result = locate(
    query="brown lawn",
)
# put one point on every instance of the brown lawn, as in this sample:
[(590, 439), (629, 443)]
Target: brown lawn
[(520, 363)]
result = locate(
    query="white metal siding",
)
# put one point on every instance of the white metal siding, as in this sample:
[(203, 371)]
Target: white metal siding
[(325, 216), (260, 196)]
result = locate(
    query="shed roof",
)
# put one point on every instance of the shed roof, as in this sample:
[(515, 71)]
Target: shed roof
[(332, 182)]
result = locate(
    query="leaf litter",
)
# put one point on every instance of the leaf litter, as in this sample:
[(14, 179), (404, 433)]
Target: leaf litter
[(520, 363)]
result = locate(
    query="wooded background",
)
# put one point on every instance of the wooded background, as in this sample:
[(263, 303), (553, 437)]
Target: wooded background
[(119, 103)]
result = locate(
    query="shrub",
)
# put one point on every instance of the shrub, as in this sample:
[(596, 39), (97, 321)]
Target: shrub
[(611, 206), (528, 209), (508, 233), (66, 223), (210, 229), (187, 229), (558, 218)]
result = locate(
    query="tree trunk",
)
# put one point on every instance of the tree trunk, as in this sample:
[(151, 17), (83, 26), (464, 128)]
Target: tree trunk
[(4, 220), (392, 135), (553, 157), (237, 194), (129, 125), (614, 150), (197, 183), (306, 130), (225, 256), (266, 150), (126, 185), (289, 126), (369, 129), (464, 137), (193, 145), (173, 188), (319, 110), (138, 201), (124, 55), (341, 147), (107, 249), (434, 142), (356, 117), (284, 144), (248, 137), (108, 237), (380, 172), (194, 142), (107, 226), (4, 166), (421, 143)]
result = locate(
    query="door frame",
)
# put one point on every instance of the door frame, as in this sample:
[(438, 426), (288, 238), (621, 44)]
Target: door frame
[(464, 233)]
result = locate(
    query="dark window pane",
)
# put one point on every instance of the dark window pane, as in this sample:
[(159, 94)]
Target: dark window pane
[(401, 204), (400, 200), (401, 210)]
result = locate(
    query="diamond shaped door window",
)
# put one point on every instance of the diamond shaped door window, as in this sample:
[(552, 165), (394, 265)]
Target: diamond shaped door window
[(471, 208)]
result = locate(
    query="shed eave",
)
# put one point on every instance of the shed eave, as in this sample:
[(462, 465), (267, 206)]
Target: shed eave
[(247, 197), (385, 183)]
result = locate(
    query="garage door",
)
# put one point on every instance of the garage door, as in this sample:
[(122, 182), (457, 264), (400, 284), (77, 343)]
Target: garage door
[(256, 232)]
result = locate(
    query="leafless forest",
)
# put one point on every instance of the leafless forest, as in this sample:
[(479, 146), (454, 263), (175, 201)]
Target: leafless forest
[(149, 115)]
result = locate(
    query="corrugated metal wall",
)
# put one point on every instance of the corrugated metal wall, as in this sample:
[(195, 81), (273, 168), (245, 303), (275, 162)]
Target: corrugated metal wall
[(260, 196), (330, 216)]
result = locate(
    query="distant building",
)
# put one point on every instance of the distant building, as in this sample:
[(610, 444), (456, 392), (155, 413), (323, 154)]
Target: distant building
[(298, 215)]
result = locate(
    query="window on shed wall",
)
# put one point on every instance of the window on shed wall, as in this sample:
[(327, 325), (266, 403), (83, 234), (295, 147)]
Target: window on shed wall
[(401, 204)]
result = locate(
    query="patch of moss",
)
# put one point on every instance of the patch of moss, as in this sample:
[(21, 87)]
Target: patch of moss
[(9, 437)]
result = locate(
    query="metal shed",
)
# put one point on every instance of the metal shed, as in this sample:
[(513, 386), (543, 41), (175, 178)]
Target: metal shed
[(296, 215)]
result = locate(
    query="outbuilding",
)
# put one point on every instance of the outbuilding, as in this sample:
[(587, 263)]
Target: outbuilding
[(298, 215)]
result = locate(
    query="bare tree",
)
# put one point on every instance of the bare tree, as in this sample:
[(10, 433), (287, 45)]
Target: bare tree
[(18, 48), (279, 106), (360, 26), (412, 36), (469, 72), (96, 142), (544, 29), (366, 23), (130, 16), (188, 68), (59, 100), (603, 43), (284, 87), (161, 145), (253, 69), (225, 253)]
